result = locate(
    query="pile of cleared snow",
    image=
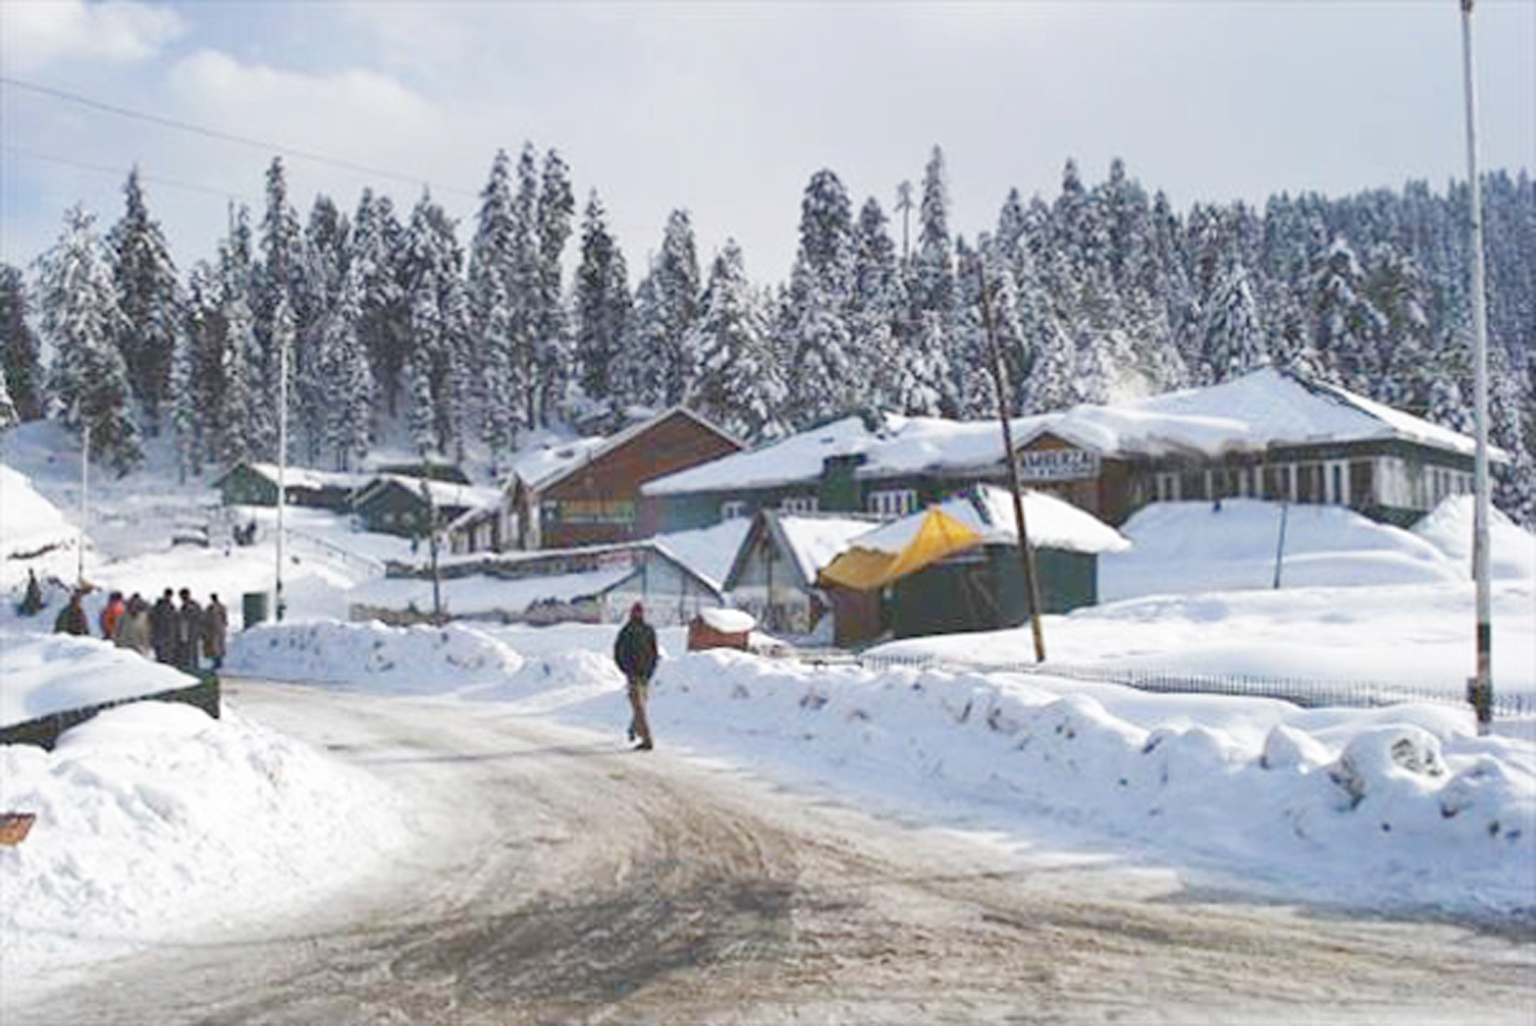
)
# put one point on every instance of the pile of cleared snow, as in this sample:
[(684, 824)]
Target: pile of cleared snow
[(1186, 547), (154, 820), (1392, 806), (1511, 548), (42, 674), (394, 660)]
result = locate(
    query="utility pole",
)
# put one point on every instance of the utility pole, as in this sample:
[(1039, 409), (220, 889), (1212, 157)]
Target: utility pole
[(85, 498), (1026, 551), (1480, 687)]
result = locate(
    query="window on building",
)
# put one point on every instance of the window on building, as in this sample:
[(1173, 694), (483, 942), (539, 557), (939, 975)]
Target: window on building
[(892, 502), (1192, 486), (1360, 483), (1167, 488), (733, 509), (798, 504)]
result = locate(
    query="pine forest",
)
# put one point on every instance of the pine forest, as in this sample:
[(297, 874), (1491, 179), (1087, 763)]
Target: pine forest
[(404, 328)]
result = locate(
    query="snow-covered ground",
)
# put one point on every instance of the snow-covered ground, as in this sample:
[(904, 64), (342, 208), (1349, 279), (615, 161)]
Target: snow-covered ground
[(153, 820)]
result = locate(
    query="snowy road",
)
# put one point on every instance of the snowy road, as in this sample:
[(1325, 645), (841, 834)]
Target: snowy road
[(559, 878)]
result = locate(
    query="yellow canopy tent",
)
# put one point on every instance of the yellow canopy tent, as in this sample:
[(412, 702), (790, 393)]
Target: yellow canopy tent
[(938, 536)]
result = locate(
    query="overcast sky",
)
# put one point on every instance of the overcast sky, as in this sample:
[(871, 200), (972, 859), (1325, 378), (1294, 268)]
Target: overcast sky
[(727, 108)]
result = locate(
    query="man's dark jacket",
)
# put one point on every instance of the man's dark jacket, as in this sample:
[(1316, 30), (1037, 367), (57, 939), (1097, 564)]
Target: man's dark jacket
[(635, 649)]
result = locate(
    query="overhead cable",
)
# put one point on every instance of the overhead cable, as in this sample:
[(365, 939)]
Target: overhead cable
[(220, 135)]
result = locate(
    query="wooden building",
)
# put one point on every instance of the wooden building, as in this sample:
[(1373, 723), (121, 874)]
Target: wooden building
[(255, 484), (594, 498), (595, 584), (1269, 434), (773, 576), (410, 507)]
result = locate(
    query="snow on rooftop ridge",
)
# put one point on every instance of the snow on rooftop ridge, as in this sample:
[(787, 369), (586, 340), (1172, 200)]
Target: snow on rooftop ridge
[(815, 541), (988, 510), (304, 477)]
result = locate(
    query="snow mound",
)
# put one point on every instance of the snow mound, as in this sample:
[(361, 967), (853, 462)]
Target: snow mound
[(1355, 806), (391, 660), (1186, 547), (155, 819), (1511, 548)]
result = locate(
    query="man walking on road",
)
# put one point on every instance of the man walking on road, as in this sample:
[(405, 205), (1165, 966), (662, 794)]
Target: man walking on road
[(635, 652)]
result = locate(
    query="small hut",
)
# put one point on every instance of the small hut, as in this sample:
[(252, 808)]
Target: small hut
[(955, 567)]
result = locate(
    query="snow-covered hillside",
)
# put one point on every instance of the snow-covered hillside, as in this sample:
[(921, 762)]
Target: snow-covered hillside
[(1361, 807)]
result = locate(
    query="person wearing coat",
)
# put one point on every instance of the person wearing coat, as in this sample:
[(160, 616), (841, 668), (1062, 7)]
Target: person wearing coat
[(189, 632), (72, 618), (162, 627), (634, 650), (133, 630), (111, 615), (215, 626)]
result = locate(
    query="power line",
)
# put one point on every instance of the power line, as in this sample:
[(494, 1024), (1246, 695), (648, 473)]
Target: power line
[(118, 172), (220, 135)]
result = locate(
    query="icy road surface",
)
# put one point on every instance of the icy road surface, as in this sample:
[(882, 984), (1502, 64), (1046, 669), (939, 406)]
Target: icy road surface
[(560, 878)]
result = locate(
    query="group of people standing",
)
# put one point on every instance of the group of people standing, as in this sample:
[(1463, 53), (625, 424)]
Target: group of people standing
[(180, 635)]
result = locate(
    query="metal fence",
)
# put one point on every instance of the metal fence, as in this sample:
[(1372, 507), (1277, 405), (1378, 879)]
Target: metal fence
[(1303, 691)]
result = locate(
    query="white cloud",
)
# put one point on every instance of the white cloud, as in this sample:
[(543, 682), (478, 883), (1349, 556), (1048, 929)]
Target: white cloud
[(35, 34), (349, 116)]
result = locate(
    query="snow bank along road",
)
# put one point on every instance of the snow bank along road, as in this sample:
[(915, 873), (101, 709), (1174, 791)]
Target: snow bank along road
[(557, 877)]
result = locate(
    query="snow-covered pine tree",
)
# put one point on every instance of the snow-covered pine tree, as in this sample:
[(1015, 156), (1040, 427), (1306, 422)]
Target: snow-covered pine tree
[(932, 287), (603, 311), (490, 280), (439, 316), (638, 374), (673, 308), (736, 385), (879, 306), (1397, 288), (77, 303), (524, 288), (349, 414), (322, 271), (230, 434), (552, 356), (827, 376), (147, 292), (1345, 325), (501, 420), (378, 252), (1234, 335), (20, 359), (273, 284)]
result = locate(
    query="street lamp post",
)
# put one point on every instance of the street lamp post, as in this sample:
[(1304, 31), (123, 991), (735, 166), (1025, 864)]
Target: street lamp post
[(1480, 687)]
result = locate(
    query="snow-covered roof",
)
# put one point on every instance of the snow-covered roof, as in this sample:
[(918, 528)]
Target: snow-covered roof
[(1264, 408), (1267, 407), (444, 494), (481, 594), (552, 460), (303, 477), (1051, 523), (576, 455), (816, 541), (899, 445)]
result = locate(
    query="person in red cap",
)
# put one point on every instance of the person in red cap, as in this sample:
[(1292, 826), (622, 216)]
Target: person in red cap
[(635, 652)]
